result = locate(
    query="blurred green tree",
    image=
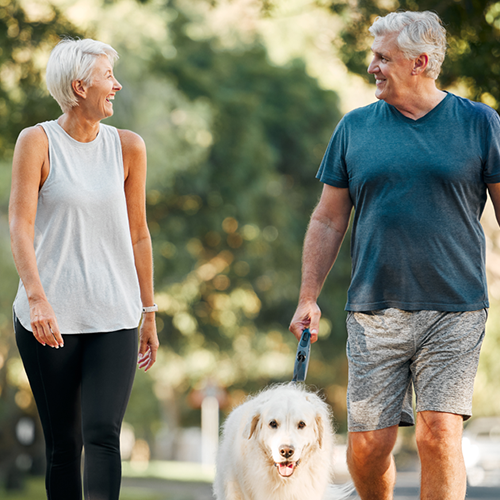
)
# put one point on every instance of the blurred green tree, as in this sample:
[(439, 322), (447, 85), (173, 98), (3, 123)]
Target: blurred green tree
[(234, 143), (26, 38)]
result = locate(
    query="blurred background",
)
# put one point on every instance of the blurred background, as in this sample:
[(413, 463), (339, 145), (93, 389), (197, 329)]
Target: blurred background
[(236, 100)]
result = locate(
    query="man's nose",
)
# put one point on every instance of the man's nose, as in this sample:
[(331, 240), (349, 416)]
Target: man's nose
[(372, 67)]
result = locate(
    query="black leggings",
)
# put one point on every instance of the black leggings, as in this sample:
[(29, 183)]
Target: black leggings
[(81, 391)]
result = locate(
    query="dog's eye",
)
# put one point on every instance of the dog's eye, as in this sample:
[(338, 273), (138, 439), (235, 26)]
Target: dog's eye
[(301, 425), (273, 424)]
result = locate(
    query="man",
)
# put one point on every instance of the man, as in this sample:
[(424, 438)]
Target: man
[(416, 166)]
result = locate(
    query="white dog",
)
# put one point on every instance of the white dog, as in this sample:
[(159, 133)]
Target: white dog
[(278, 446)]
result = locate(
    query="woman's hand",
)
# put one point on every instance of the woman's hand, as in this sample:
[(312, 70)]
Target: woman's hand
[(44, 324), (148, 342)]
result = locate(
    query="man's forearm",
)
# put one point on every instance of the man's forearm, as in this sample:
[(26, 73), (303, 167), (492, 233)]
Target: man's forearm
[(321, 247)]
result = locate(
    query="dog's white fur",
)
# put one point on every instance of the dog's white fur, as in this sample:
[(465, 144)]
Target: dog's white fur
[(278, 445)]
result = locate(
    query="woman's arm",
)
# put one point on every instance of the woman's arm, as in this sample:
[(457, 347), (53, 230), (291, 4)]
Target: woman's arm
[(134, 160), (30, 168)]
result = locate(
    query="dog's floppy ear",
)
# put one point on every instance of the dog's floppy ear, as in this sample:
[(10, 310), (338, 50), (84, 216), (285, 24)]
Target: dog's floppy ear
[(321, 417), (251, 426), (320, 428)]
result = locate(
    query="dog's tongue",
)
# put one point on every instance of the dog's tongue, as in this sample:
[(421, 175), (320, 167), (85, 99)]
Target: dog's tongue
[(286, 470)]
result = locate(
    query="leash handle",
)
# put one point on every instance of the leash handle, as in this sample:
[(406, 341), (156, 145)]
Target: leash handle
[(302, 357)]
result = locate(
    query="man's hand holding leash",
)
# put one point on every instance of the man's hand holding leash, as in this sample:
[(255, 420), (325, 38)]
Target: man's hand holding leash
[(307, 315)]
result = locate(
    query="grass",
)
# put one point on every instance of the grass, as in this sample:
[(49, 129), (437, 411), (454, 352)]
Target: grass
[(35, 490), (169, 471)]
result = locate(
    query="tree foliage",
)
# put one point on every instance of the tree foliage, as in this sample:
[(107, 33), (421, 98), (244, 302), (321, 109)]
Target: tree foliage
[(228, 224), (25, 41)]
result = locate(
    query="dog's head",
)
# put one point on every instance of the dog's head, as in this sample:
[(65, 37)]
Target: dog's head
[(288, 424)]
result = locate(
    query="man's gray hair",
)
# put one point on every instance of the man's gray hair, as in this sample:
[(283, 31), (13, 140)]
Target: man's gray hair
[(72, 60), (419, 33)]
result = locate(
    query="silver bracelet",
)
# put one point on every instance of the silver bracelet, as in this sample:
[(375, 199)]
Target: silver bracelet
[(150, 309)]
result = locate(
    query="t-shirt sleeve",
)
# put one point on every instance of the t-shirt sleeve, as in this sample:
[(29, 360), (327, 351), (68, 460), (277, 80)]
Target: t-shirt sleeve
[(491, 171), (333, 169)]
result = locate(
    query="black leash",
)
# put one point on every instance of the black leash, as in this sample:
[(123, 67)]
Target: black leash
[(302, 358)]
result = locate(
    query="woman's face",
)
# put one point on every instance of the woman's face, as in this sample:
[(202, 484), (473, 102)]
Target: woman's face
[(103, 89)]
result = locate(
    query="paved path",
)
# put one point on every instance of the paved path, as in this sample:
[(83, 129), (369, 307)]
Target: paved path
[(168, 490), (407, 489)]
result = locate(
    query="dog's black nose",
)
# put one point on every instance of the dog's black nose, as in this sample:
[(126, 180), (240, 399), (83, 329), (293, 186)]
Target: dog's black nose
[(286, 451)]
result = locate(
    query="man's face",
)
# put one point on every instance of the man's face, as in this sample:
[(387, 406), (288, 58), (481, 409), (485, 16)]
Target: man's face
[(392, 71)]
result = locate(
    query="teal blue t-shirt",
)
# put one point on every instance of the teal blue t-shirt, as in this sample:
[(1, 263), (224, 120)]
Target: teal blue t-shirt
[(418, 189)]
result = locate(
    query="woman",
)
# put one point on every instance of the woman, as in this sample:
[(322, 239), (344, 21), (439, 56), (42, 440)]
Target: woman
[(83, 252)]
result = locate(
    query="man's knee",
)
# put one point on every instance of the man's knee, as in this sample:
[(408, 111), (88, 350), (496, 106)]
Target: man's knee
[(438, 432), (372, 446)]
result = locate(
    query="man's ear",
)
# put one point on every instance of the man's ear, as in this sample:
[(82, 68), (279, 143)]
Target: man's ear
[(420, 64), (79, 88)]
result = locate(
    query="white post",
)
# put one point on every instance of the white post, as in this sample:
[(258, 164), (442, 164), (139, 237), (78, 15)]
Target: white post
[(209, 430)]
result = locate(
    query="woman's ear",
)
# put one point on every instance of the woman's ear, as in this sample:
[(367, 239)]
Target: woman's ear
[(79, 88)]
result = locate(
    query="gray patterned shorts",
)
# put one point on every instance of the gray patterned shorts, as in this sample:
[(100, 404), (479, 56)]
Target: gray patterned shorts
[(392, 351)]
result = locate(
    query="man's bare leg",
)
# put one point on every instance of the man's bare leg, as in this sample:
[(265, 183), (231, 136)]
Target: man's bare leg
[(371, 464), (439, 442)]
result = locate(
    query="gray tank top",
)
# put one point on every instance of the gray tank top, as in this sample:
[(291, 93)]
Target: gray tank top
[(82, 237)]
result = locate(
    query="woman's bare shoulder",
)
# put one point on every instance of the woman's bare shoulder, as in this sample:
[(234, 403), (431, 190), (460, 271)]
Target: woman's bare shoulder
[(33, 137), (131, 142)]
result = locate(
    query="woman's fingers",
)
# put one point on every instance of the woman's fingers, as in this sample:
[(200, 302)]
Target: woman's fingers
[(44, 325), (144, 360), (38, 334), (54, 329), (148, 346), (147, 359), (47, 335)]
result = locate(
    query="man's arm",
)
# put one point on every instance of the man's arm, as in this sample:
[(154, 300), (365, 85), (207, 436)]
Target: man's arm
[(494, 191), (324, 236)]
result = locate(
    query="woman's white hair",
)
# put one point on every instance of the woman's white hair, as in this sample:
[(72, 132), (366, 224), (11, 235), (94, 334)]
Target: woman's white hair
[(418, 33), (72, 60)]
